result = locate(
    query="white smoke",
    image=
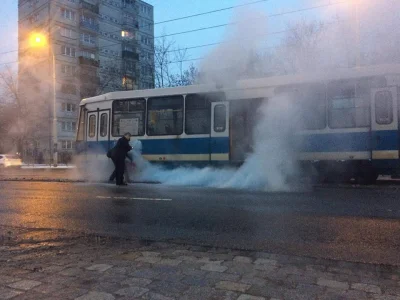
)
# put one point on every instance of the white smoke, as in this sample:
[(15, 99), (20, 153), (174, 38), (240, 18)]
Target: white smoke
[(268, 168)]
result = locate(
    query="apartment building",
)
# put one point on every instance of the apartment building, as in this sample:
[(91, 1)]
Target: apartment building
[(92, 47)]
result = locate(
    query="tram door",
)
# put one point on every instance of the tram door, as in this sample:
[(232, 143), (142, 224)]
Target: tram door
[(91, 128), (384, 124), (219, 144)]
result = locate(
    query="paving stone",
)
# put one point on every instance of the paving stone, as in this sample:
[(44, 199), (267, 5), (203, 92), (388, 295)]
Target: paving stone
[(155, 296), (24, 285), (269, 290), (191, 280), (232, 286), (243, 259), (149, 259), (96, 296), (145, 273), (105, 287), (70, 272), (355, 295), (385, 297), (8, 279), (99, 267), (129, 256), (151, 254), (296, 295), (249, 297), (301, 279), (266, 267), (215, 277), (253, 280), (214, 268), (170, 289), (6, 293), (265, 261), (46, 288), (70, 293), (140, 282), (333, 284), (368, 288), (169, 262), (132, 291), (207, 293)]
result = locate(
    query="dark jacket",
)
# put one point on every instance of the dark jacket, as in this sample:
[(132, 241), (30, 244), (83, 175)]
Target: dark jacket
[(121, 149)]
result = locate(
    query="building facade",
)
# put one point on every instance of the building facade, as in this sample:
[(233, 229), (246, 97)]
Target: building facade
[(92, 47)]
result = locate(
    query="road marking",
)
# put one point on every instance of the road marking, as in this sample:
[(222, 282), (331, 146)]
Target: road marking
[(135, 198), (152, 199)]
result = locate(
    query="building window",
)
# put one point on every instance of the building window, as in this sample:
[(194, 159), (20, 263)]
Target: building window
[(68, 107), (33, 18), (146, 40), (87, 19), (165, 115), (384, 108), (219, 118), (67, 145), (103, 125), (92, 126), (128, 116), (127, 83), (68, 70), (68, 14), (88, 38), (68, 51), (88, 54), (197, 114), (68, 126), (66, 32)]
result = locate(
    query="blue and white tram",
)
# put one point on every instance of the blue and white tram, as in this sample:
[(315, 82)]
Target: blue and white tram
[(349, 121)]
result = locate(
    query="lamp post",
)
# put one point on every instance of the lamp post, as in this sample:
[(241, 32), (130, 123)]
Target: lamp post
[(39, 40)]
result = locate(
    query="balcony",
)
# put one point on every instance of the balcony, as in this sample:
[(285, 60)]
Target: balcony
[(94, 27), (89, 45), (89, 61), (130, 24), (88, 7), (130, 55)]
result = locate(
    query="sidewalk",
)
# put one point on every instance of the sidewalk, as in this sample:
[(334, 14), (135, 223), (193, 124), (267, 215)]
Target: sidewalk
[(44, 166), (47, 264)]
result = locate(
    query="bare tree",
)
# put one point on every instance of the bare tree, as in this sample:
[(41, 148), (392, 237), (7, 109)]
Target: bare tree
[(14, 124), (162, 60), (300, 47)]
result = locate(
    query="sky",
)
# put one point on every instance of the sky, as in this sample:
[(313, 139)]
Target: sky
[(170, 9)]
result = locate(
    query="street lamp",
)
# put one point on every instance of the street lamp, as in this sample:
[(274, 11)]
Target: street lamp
[(40, 40)]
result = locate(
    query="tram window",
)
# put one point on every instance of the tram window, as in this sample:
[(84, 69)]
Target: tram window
[(103, 125), (128, 116), (383, 108), (346, 108), (92, 126), (81, 125), (312, 107), (197, 114), (220, 118), (165, 115)]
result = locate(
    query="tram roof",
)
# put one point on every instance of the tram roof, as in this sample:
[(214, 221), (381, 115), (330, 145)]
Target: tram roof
[(273, 81)]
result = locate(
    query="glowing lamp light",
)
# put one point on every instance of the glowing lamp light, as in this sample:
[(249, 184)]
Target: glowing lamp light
[(37, 40)]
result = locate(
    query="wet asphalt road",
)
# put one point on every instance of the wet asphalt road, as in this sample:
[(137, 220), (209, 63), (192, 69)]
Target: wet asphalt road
[(355, 224)]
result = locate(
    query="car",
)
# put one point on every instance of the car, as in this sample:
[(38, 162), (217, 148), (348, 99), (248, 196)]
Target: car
[(9, 160)]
